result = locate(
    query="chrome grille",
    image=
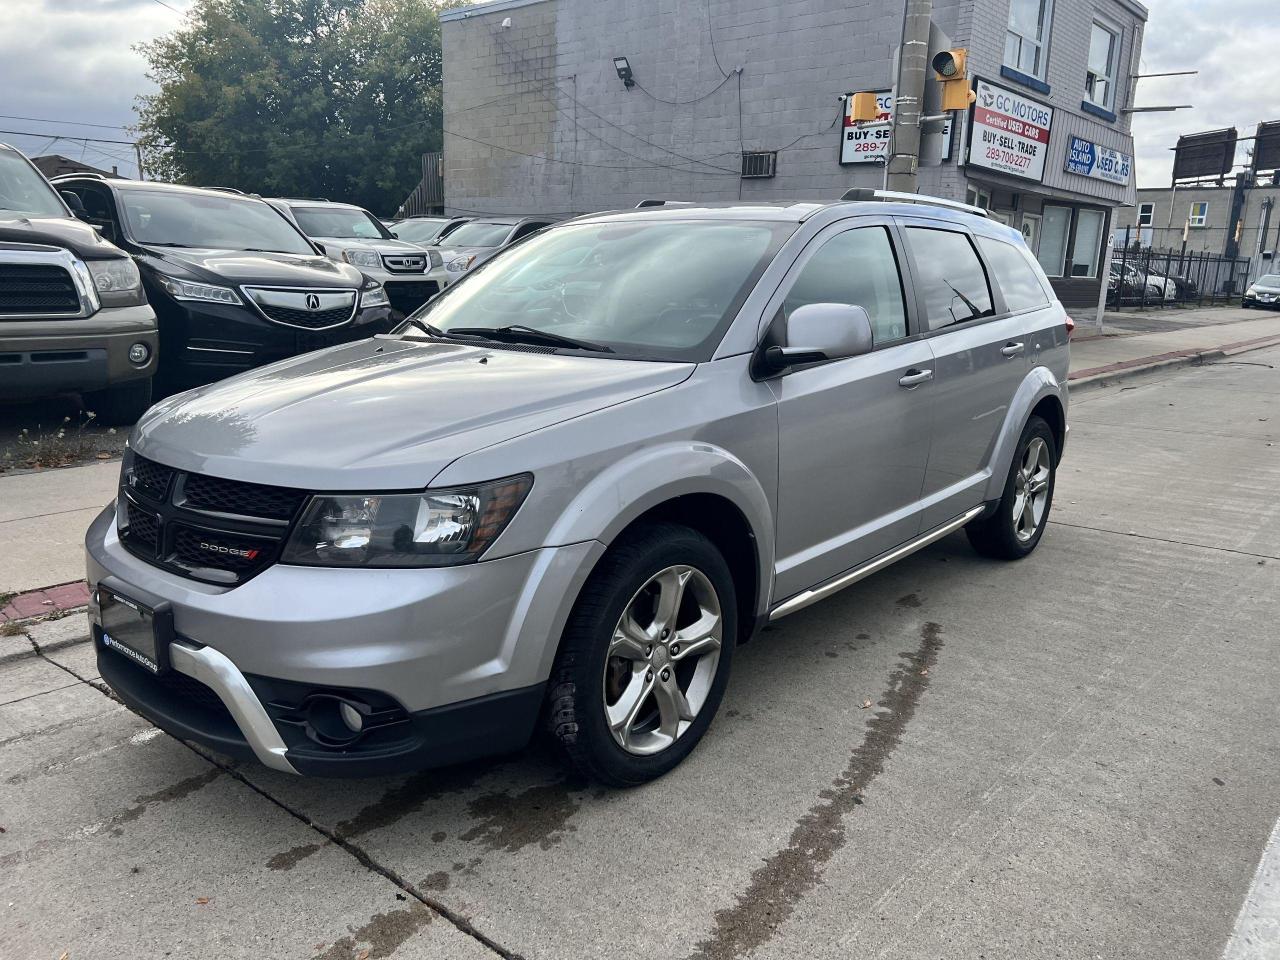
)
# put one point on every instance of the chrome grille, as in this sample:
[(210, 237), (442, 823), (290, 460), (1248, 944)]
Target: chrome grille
[(303, 308), (43, 281), (405, 263)]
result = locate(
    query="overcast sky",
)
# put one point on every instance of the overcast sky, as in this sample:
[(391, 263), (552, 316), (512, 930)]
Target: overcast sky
[(71, 61)]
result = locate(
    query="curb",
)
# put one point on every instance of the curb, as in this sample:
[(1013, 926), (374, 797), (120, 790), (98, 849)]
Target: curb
[(36, 604), (1127, 369)]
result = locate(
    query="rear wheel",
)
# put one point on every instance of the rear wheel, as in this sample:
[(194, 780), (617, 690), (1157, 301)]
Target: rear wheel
[(120, 405), (1018, 523), (645, 657)]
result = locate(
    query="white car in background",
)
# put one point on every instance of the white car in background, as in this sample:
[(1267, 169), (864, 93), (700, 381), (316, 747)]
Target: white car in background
[(353, 235)]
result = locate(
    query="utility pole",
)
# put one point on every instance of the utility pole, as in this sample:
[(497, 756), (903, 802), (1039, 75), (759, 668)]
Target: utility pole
[(142, 173), (908, 103)]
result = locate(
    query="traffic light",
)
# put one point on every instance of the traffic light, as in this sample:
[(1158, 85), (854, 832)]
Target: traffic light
[(863, 107), (949, 68)]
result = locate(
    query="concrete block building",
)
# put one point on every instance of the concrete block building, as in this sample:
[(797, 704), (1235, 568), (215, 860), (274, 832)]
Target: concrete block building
[(741, 99)]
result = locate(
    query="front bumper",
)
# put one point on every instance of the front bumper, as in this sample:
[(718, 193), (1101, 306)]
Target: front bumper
[(1271, 304), (43, 357), (456, 657)]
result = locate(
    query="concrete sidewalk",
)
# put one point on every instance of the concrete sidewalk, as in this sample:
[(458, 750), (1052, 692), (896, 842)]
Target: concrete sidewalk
[(43, 515)]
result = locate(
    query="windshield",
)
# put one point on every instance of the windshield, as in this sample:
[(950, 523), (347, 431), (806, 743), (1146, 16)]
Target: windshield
[(173, 219), (344, 222), (478, 234), (23, 191), (418, 230), (651, 290)]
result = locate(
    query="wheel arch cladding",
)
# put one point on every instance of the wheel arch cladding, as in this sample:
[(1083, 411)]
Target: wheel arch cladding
[(1039, 394)]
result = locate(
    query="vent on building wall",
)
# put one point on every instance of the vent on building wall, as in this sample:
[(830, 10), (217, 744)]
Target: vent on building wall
[(760, 163)]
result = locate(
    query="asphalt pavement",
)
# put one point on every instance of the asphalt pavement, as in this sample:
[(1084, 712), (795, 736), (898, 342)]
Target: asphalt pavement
[(1072, 756)]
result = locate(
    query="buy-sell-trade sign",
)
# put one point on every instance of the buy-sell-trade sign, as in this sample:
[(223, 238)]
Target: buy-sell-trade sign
[(1009, 133), (869, 142)]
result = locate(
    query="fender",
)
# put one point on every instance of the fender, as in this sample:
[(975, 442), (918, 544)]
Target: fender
[(1039, 383), (621, 493)]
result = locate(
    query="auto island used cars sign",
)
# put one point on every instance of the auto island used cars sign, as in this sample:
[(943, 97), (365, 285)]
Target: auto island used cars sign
[(1009, 133), (1099, 162), (869, 142)]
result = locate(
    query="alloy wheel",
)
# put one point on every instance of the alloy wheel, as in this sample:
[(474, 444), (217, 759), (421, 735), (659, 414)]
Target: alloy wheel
[(1031, 489), (662, 660)]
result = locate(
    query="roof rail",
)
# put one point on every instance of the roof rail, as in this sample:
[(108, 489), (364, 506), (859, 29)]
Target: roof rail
[(663, 203), (866, 193), (85, 175), (228, 190), (307, 199)]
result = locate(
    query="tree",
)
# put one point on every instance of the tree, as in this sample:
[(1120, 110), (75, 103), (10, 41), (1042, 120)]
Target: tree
[(316, 98)]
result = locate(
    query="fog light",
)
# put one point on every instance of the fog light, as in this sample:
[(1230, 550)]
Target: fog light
[(351, 717), (139, 354)]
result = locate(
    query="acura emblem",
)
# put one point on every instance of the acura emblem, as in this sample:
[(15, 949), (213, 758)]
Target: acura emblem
[(313, 302)]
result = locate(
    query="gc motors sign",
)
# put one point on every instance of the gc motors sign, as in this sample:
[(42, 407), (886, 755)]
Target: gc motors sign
[(1009, 133), (869, 142)]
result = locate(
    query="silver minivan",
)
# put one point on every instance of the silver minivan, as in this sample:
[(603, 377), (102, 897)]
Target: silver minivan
[(560, 495)]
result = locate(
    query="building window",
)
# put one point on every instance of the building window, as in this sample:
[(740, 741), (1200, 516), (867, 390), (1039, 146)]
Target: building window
[(1100, 77), (1088, 246), (977, 198), (761, 163), (1026, 43), (1146, 213), (1198, 215), (1055, 228)]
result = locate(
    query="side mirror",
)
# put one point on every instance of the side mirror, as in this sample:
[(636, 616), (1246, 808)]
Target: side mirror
[(822, 331), (74, 202)]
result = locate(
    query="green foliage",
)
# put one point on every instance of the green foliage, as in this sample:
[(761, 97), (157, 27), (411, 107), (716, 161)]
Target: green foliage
[(315, 98)]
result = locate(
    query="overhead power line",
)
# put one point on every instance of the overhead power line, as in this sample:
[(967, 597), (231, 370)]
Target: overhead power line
[(29, 133), (69, 123)]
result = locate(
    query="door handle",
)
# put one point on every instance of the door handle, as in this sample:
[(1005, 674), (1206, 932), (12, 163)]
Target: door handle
[(915, 377), (1013, 349)]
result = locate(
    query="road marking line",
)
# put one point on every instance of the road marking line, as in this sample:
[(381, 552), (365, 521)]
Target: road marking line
[(1257, 932)]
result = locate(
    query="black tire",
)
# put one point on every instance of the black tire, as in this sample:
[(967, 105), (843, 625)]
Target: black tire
[(120, 405), (997, 535), (575, 712)]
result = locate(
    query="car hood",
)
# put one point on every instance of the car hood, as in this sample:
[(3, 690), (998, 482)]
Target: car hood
[(75, 235), (391, 247), (382, 414), (241, 266), (1265, 287)]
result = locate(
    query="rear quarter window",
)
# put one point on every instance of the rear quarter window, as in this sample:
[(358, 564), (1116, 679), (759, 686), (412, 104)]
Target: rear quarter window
[(1012, 271)]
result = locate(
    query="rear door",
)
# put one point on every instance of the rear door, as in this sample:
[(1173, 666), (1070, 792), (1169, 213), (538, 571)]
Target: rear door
[(853, 437), (974, 310)]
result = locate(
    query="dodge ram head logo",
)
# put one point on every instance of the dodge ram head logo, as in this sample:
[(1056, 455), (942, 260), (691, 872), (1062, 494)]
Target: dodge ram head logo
[(313, 302)]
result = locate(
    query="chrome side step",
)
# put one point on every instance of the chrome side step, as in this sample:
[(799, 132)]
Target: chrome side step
[(802, 600)]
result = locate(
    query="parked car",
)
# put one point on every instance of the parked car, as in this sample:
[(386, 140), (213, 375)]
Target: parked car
[(426, 231), (1263, 292), (73, 314), (533, 504), (353, 235), (1128, 284), (233, 283), (1184, 288), (478, 241)]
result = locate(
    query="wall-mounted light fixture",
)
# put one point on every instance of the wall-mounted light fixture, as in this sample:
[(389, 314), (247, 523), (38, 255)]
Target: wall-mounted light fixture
[(624, 72)]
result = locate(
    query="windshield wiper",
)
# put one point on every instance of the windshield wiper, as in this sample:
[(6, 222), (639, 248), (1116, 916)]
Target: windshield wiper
[(427, 328), (518, 332), (973, 307)]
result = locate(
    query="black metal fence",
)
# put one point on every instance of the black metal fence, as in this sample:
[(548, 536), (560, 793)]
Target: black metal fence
[(1144, 277)]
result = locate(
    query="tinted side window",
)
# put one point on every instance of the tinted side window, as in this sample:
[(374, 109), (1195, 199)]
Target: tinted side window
[(950, 276), (1018, 282), (856, 267)]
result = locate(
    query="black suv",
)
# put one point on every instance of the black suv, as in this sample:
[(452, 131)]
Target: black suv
[(233, 283)]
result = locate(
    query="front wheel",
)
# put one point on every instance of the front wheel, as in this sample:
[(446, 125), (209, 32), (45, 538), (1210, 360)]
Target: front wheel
[(645, 656), (1018, 523)]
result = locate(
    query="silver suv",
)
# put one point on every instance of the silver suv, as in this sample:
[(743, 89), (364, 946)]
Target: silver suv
[(562, 493)]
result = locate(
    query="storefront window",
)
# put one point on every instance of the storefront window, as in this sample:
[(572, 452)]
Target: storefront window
[(1054, 230), (1088, 245)]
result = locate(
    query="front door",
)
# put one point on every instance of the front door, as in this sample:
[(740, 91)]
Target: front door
[(853, 437)]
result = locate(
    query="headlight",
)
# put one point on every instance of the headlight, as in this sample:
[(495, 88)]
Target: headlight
[(1251, 292), (434, 259), (362, 258), (460, 264), (205, 292), (117, 282), (437, 528), (374, 296)]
